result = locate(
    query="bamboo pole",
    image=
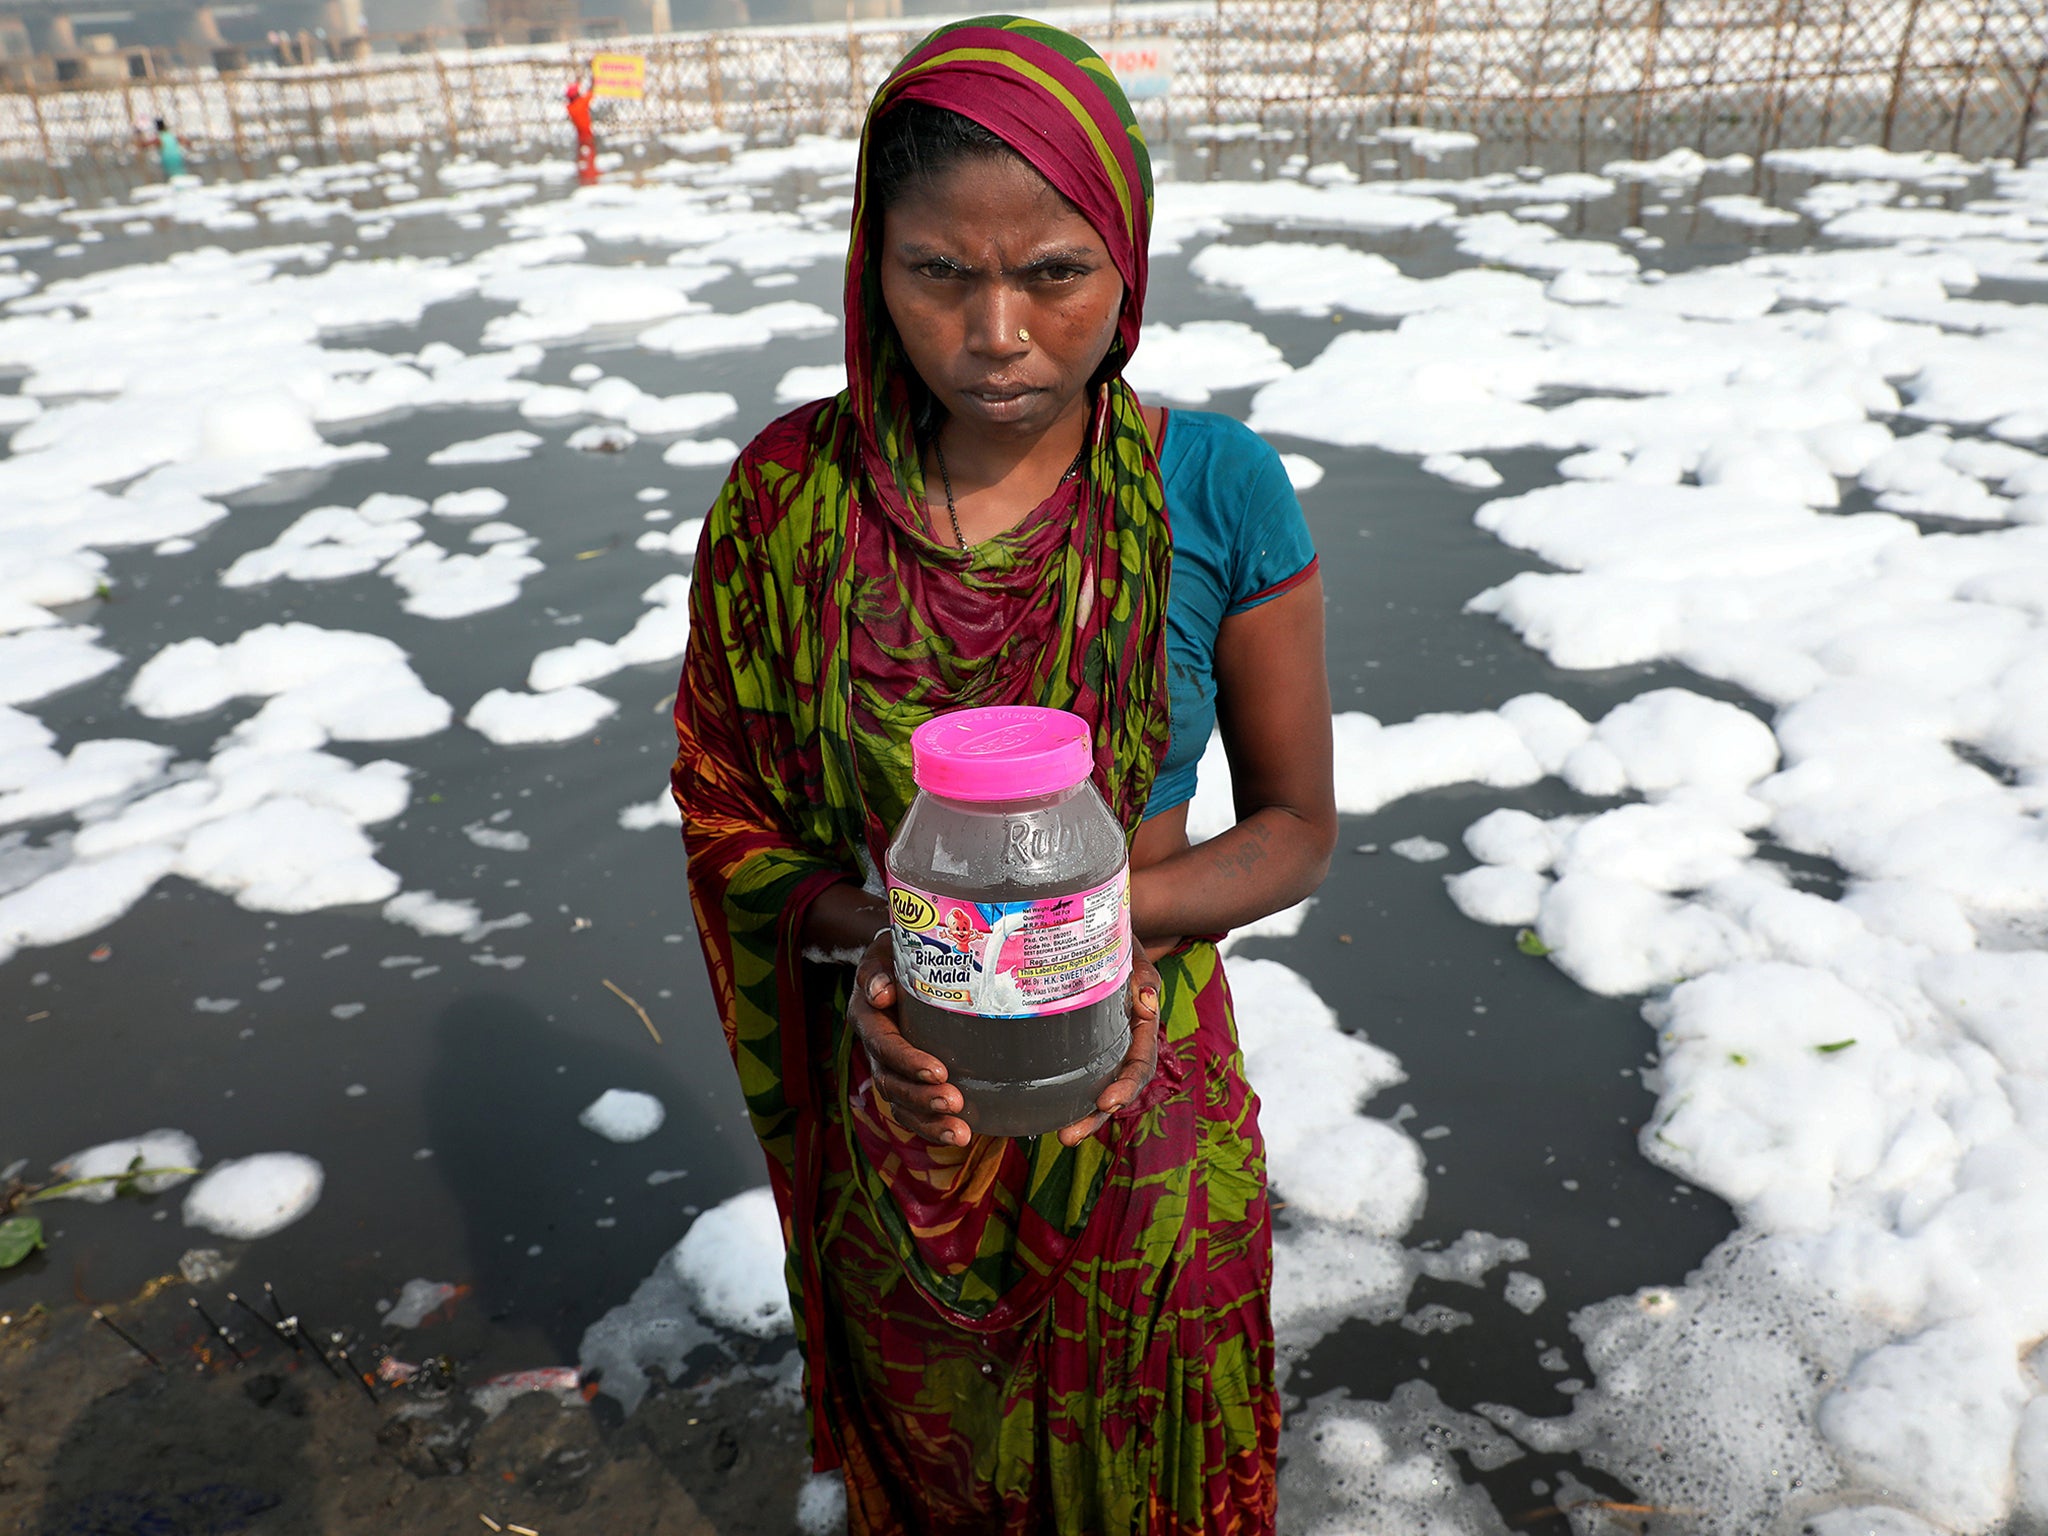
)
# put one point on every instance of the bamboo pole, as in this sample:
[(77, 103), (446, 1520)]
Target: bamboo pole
[(1592, 75), (447, 104), (713, 86), (1771, 118), (35, 105), (1646, 87), (227, 90), (1969, 81), (1891, 106), (1428, 28), (1536, 61), (1834, 72), (2019, 148)]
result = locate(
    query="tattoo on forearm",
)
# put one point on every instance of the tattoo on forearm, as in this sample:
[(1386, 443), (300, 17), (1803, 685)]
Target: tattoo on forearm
[(1243, 860)]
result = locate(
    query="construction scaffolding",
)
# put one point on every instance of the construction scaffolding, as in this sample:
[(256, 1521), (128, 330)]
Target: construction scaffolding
[(1648, 76)]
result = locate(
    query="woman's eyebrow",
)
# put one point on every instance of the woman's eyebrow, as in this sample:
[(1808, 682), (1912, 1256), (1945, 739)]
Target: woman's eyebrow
[(1073, 256), (917, 250)]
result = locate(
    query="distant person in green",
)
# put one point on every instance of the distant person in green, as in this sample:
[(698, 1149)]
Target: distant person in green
[(169, 151)]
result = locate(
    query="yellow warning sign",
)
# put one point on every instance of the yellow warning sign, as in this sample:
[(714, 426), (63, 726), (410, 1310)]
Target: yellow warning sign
[(622, 75)]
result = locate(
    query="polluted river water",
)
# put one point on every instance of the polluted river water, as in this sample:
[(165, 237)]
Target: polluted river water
[(1685, 578)]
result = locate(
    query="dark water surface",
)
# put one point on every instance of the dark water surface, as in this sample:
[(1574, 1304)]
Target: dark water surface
[(462, 1160)]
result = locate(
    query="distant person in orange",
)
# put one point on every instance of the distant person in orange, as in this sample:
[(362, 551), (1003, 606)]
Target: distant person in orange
[(586, 137)]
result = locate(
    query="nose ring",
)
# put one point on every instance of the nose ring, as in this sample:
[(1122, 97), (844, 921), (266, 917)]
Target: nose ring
[(1022, 334)]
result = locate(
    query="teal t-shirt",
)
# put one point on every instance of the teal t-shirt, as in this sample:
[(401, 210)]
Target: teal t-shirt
[(1239, 540)]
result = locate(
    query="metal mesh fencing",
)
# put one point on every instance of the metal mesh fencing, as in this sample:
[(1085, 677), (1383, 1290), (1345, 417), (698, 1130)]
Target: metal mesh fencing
[(1716, 76)]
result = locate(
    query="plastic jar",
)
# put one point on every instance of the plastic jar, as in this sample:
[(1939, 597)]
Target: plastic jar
[(1010, 896)]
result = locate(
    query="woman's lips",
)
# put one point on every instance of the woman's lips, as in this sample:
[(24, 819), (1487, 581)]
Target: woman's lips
[(1001, 400)]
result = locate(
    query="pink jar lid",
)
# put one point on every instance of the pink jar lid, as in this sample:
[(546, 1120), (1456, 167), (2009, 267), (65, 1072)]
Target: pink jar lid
[(1008, 752)]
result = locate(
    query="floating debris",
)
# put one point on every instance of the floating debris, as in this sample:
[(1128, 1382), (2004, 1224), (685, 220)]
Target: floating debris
[(636, 1008)]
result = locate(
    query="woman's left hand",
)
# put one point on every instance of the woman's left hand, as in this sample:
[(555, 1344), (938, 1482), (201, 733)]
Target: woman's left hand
[(1140, 1062)]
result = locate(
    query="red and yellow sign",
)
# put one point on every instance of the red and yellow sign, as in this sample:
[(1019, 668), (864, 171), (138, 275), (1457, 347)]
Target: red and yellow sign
[(621, 75)]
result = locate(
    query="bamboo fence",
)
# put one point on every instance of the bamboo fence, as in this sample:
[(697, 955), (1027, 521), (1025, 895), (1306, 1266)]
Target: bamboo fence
[(1636, 76)]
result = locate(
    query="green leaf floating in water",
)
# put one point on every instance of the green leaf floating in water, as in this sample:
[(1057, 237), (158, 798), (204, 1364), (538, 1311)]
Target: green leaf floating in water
[(1833, 1046), (1529, 944), (20, 1236)]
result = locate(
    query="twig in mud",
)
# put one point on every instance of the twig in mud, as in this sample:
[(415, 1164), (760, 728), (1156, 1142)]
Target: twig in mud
[(276, 1332), (362, 1381), (293, 1326), (227, 1339), (636, 1008), (125, 1337)]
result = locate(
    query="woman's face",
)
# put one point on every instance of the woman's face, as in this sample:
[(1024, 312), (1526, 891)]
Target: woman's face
[(979, 254)]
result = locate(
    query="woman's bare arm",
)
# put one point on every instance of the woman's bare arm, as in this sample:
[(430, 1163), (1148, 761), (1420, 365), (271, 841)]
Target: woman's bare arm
[(1273, 705), (842, 920)]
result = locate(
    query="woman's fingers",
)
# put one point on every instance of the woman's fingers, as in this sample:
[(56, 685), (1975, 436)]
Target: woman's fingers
[(913, 1082), (1140, 1062)]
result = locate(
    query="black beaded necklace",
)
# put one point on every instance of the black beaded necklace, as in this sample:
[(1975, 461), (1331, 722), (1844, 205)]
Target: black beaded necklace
[(946, 480)]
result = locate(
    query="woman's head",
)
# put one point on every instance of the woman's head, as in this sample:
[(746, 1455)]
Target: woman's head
[(1003, 296), (1004, 187)]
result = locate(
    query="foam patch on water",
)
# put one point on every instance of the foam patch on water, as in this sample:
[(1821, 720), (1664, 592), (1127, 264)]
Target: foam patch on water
[(156, 1149), (661, 811), (621, 1115), (660, 635), (1186, 364), (1393, 1466), (694, 335), (320, 685), (810, 381), (439, 584), (251, 1197), (496, 448), (512, 718), (325, 544)]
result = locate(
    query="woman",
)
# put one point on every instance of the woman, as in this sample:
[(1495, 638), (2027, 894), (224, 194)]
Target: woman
[(1062, 1333), (170, 153)]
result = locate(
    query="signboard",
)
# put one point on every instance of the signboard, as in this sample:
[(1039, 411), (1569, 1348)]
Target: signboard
[(622, 75), (1143, 66)]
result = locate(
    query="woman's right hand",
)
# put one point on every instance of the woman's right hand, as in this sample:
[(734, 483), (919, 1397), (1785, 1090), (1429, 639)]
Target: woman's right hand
[(912, 1082)]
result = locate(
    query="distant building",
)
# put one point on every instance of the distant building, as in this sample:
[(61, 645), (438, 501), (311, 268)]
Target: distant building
[(516, 20)]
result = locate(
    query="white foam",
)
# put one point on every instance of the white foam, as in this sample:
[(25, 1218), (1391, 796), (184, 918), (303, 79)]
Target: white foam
[(1462, 469), (42, 662), (1749, 211), (1303, 472), (1186, 364), (621, 1115), (431, 915), (251, 1197), (518, 719), (660, 635), (694, 335), (156, 1149), (321, 685), (695, 453), (478, 501), (497, 448), (731, 1261), (439, 584), (810, 381), (325, 544), (661, 811)]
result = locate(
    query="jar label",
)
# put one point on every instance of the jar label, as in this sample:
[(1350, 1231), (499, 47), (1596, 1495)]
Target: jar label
[(1013, 959)]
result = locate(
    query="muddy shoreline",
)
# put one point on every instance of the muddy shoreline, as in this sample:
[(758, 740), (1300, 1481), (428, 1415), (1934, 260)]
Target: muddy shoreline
[(94, 1441)]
